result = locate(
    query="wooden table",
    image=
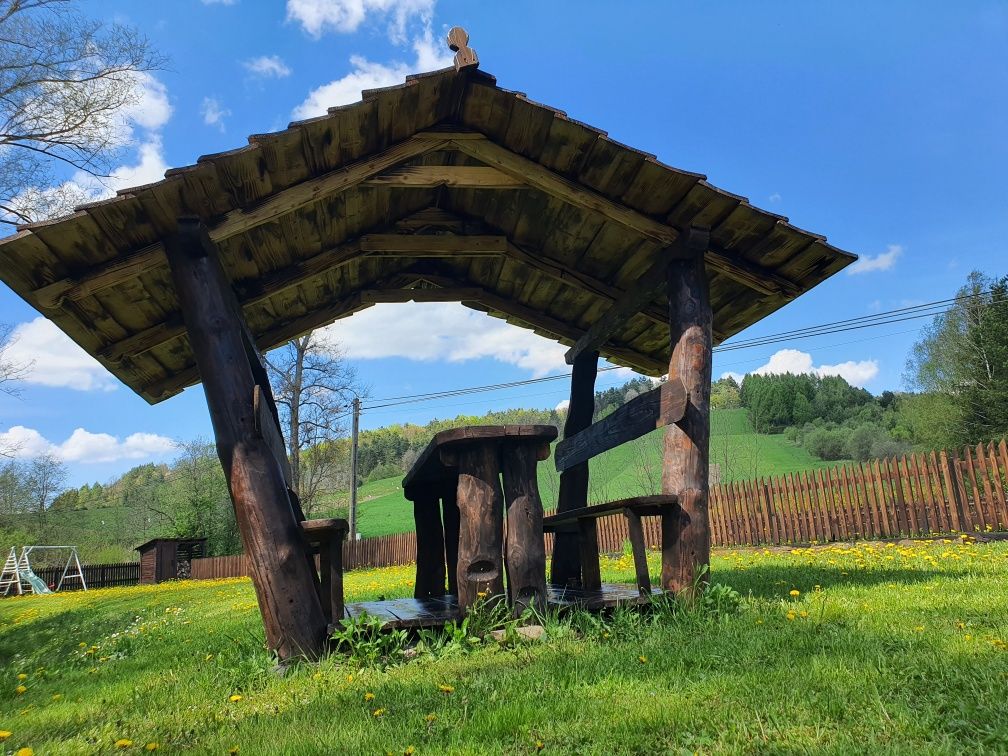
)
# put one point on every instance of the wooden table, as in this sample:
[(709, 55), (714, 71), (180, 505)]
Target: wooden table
[(462, 470)]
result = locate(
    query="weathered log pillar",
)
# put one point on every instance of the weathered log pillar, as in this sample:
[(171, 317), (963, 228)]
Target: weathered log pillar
[(525, 549), (481, 505), (284, 579), (565, 565), (686, 534), (430, 550)]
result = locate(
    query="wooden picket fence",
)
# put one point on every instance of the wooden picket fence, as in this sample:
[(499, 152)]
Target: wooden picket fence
[(380, 551), (900, 497), (112, 575)]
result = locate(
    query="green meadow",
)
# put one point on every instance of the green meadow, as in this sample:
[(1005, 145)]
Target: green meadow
[(880, 648)]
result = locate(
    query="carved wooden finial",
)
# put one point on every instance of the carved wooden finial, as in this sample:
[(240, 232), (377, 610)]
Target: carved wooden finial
[(458, 41)]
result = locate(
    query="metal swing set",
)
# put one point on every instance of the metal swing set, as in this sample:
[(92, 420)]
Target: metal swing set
[(19, 576)]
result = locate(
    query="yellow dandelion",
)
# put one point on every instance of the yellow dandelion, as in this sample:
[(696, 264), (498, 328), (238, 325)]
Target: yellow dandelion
[(20, 690), (539, 745), (22, 676), (803, 614), (24, 752), (378, 713), (409, 751), (349, 678), (235, 698), (4, 734), (82, 645), (430, 718), (152, 746), (208, 657), (790, 616), (759, 621), (795, 593), (446, 688), (369, 696), (123, 743), (642, 659)]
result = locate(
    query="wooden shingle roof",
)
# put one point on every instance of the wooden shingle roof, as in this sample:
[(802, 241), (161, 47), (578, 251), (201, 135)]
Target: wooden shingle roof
[(447, 187)]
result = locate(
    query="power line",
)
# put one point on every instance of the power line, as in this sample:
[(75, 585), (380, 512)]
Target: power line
[(899, 315)]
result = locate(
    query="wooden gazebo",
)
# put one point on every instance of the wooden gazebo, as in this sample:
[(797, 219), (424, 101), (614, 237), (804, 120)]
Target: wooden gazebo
[(444, 188)]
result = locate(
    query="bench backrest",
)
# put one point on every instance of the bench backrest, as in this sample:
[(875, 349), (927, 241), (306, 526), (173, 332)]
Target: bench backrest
[(657, 408)]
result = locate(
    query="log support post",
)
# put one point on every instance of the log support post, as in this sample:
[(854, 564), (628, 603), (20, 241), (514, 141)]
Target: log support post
[(524, 549), (230, 368), (686, 530), (565, 567)]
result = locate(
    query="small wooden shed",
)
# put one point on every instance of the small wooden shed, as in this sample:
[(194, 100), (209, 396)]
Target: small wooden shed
[(168, 558)]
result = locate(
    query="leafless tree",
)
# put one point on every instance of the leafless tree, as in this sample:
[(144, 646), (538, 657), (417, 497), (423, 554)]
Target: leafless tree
[(65, 82), (314, 386), (45, 478), (11, 373)]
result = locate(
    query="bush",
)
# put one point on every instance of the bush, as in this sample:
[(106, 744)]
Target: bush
[(827, 444), (384, 471)]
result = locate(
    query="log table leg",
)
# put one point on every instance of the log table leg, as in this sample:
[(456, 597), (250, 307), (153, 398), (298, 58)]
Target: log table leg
[(525, 549), (450, 515), (430, 548), (591, 574), (481, 506), (635, 529)]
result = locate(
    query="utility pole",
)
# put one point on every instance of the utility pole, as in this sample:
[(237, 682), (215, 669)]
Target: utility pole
[(353, 469)]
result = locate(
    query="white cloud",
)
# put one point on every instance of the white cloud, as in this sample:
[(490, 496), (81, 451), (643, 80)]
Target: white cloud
[(881, 261), (153, 109), (562, 405), (775, 198), (344, 16), (796, 362), (268, 66), (214, 113), (366, 74), (445, 331), (54, 360), (86, 447)]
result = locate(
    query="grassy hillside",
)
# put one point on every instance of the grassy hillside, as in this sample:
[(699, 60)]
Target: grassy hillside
[(895, 649), (629, 470)]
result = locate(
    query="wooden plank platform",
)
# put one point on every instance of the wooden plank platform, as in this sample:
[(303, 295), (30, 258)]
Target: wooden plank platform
[(410, 613)]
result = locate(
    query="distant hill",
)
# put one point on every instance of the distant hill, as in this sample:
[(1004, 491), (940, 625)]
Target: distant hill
[(110, 533)]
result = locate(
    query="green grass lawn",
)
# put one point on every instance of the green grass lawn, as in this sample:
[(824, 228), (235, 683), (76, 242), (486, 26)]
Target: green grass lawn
[(899, 649)]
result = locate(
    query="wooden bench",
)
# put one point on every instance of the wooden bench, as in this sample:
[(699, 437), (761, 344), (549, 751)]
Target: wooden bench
[(328, 536), (582, 522)]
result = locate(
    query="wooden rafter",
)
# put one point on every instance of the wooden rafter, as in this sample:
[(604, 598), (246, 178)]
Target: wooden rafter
[(451, 291), (238, 221), (538, 176), (643, 291), (454, 176), (542, 178)]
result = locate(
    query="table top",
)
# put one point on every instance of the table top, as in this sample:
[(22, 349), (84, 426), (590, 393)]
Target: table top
[(429, 466)]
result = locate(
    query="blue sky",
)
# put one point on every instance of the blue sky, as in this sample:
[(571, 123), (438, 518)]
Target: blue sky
[(881, 126)]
